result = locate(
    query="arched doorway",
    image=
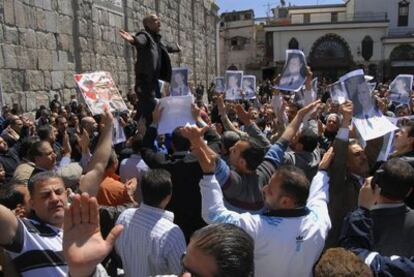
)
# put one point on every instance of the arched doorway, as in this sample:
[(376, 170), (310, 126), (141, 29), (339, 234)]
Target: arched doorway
[(402, 60), (330, 57)]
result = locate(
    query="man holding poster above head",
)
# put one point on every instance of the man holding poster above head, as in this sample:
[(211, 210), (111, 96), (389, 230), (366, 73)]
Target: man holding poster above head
[(294, 71), (219, 84), (233, 84), (153, 63), (400, 89)]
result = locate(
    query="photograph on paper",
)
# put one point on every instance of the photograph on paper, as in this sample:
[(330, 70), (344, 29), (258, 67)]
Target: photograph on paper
[(400, 89), (338, 92), (176, 112), (179, 82), (294, 72), (233, 80), (99, 91), (219, 85), (249, 86), (367, 118)]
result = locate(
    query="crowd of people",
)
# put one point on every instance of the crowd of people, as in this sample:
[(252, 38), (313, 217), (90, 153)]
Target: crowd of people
[(255, 188)]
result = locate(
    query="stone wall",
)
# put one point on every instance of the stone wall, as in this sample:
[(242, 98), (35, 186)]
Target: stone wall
[(44, 42)]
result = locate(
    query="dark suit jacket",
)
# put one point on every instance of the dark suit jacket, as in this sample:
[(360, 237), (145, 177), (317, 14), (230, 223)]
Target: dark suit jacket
[(186, 174), (394, 231)]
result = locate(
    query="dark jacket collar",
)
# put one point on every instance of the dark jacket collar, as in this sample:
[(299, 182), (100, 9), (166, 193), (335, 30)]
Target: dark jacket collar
[(288, 213), (390, 211)]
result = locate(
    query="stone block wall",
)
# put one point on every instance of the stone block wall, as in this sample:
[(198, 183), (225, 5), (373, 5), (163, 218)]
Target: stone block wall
[(44, 42)]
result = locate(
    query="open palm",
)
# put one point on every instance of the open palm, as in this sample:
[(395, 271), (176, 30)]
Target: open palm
[(83, 245)]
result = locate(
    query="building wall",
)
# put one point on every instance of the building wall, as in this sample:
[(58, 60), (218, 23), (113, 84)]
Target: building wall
[(389, 6), (230, 56), (307, 38), (44, 42)]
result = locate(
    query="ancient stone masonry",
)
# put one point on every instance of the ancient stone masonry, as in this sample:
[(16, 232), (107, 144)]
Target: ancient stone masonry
[(44, 42)]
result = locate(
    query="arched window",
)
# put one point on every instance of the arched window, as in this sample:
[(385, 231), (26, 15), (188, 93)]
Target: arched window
[(367, 46), (403, 12), (293, 44)]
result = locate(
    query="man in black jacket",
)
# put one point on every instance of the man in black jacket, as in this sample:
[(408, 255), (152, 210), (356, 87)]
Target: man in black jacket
[(153, 64)]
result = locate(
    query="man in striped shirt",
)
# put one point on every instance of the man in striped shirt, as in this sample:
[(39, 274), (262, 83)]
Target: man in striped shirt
[(151, 244)]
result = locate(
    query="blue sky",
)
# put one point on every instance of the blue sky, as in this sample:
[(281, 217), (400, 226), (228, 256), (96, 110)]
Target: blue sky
[(260, 6)]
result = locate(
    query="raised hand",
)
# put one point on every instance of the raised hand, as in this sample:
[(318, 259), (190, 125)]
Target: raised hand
[(127, 36), (194, 134), (346, 109), (195, 111), (207, 164), (83, 245), (107, 119), (327, 159), (367, 196), (309, 108), (220, 105), (243, 115)]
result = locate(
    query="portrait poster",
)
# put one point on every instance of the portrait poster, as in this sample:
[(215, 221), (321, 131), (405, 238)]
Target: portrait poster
[(400, 89), (233, 84), (219, 86), (176, 112), (99, 90), (118, 134), (368, 119), (249, 86), (294, 71), (179, 82), (338, 92)]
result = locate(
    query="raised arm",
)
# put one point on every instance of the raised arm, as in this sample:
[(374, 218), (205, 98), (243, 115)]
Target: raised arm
[(96, 168)]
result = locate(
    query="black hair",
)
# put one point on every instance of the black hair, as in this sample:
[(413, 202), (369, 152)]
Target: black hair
[(309, 140), (137, 143), (294, 183), (27, 142), (40, 177), (10, 197), (231, 247), (396, 178), (44, 132), (156, 184), (410, 128), (229, 138), (179, 141), (34, 150), (253, 154), (113, 158)]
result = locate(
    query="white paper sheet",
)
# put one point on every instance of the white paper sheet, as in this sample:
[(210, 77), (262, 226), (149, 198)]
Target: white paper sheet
[(294, 71), (369, 121), (176, 112), (233, 84), (179, 82), (400, 89), (249, 86)]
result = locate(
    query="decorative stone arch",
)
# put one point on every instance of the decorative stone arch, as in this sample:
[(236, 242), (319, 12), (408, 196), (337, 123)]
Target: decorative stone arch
[(403, 52), (330, 51)]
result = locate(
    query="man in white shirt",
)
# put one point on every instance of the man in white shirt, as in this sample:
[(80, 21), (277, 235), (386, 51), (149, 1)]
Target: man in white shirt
[(151, 244), (290, 236)]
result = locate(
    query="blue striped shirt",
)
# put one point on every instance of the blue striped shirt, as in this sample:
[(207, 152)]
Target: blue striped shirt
[(150, 244)]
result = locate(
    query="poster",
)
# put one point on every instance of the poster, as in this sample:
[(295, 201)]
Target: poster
[(338, 92), (294, 72), (179, 82), (99, 90), (176, 112), (219, 85), (249, 86), (367, 118), (233, 81), (400, 89)]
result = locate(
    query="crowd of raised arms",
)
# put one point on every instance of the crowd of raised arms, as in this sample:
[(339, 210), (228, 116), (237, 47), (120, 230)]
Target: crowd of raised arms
[(266, 187), (251, 190)]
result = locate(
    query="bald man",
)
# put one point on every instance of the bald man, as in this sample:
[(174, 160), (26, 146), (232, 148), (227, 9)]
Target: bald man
[(153, 64)]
